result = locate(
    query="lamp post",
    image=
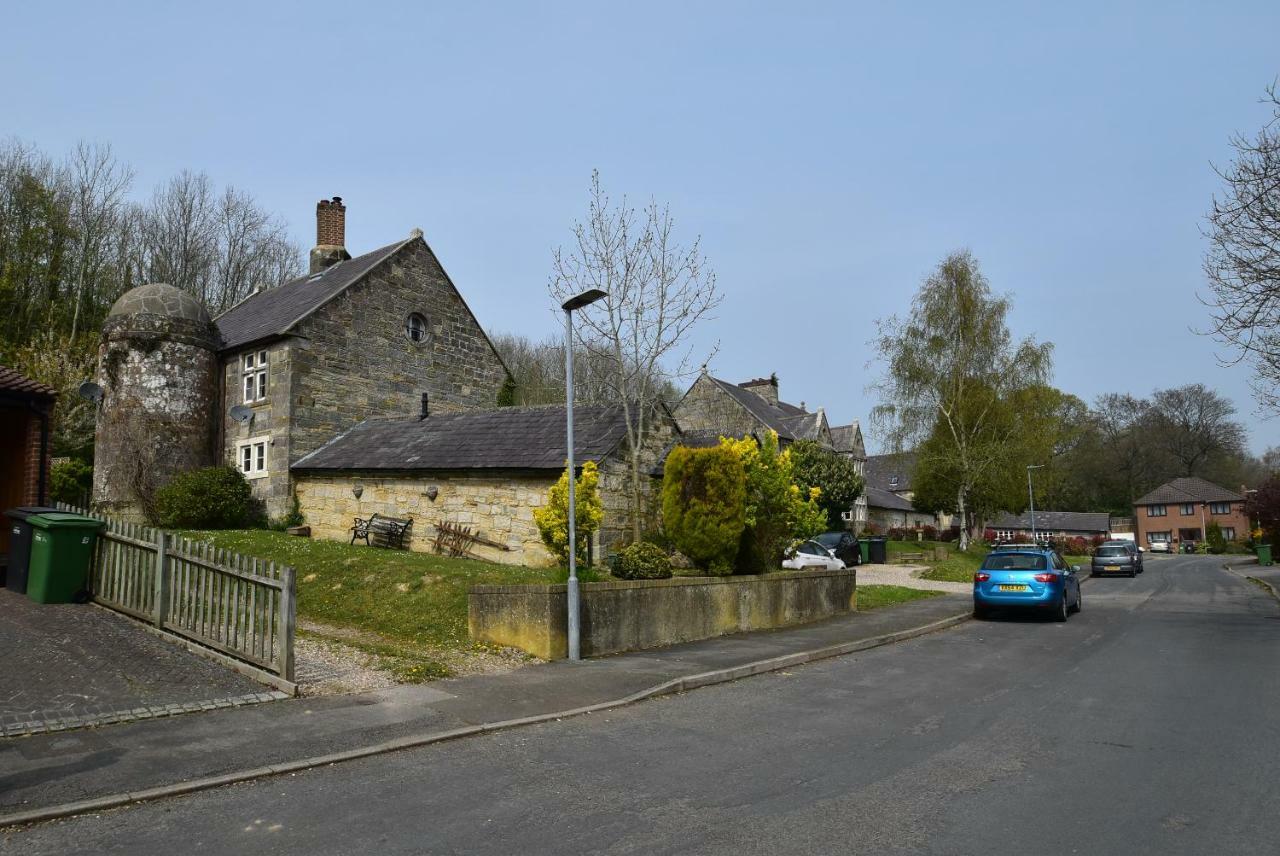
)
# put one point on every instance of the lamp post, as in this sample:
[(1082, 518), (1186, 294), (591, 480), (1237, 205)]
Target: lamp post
[(586, 298), (1032, 497)]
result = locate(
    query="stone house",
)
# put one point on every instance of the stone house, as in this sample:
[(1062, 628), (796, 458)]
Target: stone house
[(713, 407), (377, 335), (26, 410), (1180, 511), (484, 470), (890, 494)]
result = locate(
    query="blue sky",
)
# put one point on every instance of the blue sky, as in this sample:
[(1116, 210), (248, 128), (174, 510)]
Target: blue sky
[(828, 154)]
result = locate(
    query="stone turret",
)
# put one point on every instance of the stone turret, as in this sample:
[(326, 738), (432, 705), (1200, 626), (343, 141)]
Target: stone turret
[(158, 369)]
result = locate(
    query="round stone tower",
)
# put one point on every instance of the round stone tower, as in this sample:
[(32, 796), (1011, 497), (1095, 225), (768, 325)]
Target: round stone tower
[(158, 369)]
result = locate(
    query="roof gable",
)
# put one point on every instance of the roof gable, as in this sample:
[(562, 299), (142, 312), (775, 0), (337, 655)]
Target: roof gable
[(275, 311), (891, 472)]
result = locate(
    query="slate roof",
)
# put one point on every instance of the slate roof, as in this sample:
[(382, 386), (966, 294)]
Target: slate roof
[(1188, 490), (18, 385), (1056, 521), (805, 426), (786, 419), (882, 470), (508, 438), (844, 438), (877, 498), (274, 311)]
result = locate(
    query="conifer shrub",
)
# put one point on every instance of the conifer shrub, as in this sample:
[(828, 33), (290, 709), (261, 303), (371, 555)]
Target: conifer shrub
[(704, 505)]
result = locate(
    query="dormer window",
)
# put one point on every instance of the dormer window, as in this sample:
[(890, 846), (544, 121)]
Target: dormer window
[(415, 328), (255, 376)]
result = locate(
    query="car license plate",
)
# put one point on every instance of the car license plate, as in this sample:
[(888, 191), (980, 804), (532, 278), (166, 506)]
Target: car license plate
[(1012, 588), (1111, 567)]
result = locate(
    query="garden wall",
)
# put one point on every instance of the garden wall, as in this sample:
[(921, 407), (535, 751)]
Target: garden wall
[(638, 614)]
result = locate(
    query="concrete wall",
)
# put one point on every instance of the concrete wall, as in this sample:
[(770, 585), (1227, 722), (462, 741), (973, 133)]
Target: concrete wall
[(634, 615)]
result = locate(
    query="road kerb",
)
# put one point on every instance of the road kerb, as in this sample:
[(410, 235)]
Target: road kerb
[(676, 685)]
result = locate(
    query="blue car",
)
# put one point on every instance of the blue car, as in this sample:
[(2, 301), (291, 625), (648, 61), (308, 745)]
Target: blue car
[(1027, 578)]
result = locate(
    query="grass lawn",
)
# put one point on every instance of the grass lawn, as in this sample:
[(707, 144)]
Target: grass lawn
[(409, 609), (875, 597), (959, 567), (894, 548)]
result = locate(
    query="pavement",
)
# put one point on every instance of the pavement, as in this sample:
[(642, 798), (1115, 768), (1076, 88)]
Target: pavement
[(43, 771), (74, 665), (1143, 725)]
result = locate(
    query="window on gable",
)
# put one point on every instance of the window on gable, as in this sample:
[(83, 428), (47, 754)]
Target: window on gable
[(255, 373), (415, 328)]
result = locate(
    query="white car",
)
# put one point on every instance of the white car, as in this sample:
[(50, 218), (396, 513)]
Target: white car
[(1159, 547), (810, 555)]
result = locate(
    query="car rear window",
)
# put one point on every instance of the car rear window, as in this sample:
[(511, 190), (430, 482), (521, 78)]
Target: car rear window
[(1113, 551), (1014, 562), (828, 539)]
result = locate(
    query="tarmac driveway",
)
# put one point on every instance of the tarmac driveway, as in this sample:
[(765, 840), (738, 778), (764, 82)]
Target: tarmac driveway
[(69, 666)]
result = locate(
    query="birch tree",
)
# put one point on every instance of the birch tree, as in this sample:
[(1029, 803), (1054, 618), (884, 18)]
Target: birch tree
[(951, 370), (658, 289)]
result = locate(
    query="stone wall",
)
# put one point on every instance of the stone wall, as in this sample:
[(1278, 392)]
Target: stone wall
[(639, 614), (353, 359), (707, 407), (271, 417), (615, 488), (499, 508), (159, 381)]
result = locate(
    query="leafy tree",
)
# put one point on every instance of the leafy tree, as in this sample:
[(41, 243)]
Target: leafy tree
[(1263, 508), (552, 519), (1213, 537), (704, 493), (835, 476), (70, 481), (778, 512), (951, 368)]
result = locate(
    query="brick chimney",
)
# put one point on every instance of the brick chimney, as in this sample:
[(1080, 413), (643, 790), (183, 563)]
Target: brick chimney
[(765, 387), (331, 234)]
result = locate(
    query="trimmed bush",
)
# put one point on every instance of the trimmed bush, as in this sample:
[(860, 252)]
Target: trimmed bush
[(1213, 537), (643, 561), (704, 493), (552, 519), (210, 498)]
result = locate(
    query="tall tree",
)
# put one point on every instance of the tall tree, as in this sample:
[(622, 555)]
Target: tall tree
[(951, 368), (1242, 262), (1195, 427), (658, 289)]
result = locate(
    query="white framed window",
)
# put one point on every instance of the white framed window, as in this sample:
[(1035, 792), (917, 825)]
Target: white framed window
[(254, 368), (251, 457)]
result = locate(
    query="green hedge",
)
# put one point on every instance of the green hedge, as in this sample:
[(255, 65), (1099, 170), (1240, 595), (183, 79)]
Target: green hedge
[(210, 498), (642, 561), (704, 494)]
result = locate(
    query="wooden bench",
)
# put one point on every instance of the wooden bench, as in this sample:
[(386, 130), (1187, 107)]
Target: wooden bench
[(382, 531), (907, 558)]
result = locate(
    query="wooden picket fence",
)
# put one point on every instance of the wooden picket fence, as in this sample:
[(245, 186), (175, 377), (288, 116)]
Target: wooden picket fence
[(238, 607)]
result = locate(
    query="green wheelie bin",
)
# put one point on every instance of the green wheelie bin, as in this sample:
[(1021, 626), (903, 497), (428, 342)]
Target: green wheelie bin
[(61, 553), (1264, 554)]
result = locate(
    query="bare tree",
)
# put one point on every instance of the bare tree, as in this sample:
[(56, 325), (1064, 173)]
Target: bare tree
[(1242, 262), (658, 290), (951, 371), (1194, 425), (99, 184)]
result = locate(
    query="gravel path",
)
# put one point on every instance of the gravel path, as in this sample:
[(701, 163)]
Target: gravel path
[(908, 577)]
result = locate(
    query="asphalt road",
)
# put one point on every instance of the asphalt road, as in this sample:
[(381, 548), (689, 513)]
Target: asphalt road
[(1145, 724)]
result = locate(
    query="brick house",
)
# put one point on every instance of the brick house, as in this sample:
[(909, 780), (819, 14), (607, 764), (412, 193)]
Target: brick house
[(486, 470), (295, 365), (1180, 510), (712, 408), (26, 409)]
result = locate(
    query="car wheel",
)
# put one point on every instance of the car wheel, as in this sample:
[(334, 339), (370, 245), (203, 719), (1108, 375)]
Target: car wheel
[(1079, 602), (1060, 612)]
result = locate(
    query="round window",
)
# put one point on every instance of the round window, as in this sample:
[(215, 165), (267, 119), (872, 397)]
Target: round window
[(415, 328)]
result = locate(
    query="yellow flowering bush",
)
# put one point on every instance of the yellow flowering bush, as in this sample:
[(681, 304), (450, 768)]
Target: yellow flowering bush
[(778, 512), (552, 519)]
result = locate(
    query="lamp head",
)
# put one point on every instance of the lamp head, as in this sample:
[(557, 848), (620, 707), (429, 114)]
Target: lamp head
[(586, 298)]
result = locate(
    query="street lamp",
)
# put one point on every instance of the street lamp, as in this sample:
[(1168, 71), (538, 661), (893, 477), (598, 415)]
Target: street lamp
[(1032, 497), (586, 298)]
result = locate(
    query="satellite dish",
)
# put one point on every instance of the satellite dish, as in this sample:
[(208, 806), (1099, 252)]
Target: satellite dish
[(242, 414), (90, 391)]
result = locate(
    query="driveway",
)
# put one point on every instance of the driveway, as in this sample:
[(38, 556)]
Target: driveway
[(68, 666), (907, 576)]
